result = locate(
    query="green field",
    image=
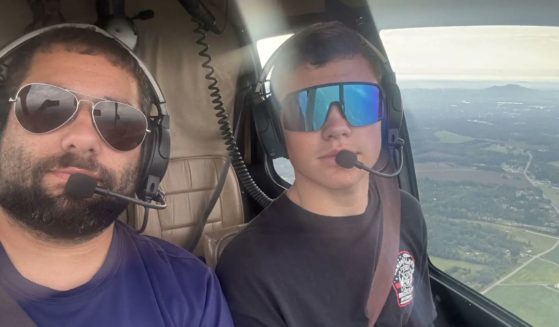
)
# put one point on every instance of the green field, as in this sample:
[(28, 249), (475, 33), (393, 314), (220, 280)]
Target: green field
[(553, 256), (452, 138), (551, 193), (446, 264), (535, 304), (538, 271), (497, 148), (538, 242)]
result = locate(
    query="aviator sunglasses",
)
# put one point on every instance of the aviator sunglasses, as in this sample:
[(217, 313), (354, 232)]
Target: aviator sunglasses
[(306, 110), (42, 108)]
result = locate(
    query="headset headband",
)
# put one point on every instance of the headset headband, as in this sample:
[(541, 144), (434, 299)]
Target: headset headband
[(260, 85), (159, 99)]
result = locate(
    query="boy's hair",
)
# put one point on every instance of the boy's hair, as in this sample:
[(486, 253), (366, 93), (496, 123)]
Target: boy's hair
[(72, 39), (321, 43)]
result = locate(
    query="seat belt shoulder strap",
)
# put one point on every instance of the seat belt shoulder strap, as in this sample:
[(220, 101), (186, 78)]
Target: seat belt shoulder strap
[(389, 193), (11, 314)]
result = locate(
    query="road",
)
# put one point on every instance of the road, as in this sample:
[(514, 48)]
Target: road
[(524, 264), (533, 182), (490, 287)]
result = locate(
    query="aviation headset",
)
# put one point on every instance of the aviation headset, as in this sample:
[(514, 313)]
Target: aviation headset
[(267, 118), (156, 145)]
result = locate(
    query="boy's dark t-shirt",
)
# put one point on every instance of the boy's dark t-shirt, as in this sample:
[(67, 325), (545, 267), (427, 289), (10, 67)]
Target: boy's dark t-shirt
[(291, 267), (144, 281)]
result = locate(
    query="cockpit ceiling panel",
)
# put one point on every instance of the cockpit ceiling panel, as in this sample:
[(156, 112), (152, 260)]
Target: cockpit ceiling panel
[(265, 18), (390, 14)]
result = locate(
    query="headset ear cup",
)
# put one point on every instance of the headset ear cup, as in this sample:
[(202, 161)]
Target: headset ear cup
[(391, 123), (392, 112), (146, 158), (4, 106), (396, 112), (155, 159), (274, 109), (268, 128)]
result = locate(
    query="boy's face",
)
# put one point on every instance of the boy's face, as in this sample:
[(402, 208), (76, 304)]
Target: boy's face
[(313, 154)]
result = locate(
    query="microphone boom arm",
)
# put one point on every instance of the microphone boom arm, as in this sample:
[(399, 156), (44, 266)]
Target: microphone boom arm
[(348, 160), (103, 191)]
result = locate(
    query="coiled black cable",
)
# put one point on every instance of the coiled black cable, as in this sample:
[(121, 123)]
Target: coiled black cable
[(225, 127)]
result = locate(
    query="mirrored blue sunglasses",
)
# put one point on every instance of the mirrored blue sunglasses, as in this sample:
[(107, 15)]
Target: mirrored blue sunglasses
[(306, 110)]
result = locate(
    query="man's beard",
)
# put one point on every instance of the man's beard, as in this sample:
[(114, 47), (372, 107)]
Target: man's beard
[(61, 217)]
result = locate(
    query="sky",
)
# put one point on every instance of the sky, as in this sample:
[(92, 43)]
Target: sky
[(506, 53), (479, 52)]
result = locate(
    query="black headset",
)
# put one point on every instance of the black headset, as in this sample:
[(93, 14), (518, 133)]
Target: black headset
[(267, 119), (156, 146)]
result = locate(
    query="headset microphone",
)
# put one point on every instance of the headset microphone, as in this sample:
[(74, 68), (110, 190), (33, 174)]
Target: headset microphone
[(83, 186), (348, 160)]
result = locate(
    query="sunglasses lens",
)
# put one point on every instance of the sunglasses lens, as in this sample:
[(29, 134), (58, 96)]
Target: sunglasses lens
[(362, 104), (122, 126), (293, 111), (42, 108), (323, 99), (307, 110)]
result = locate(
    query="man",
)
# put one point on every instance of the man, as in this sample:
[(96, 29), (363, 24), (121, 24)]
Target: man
[(308, 259), (71, 104)]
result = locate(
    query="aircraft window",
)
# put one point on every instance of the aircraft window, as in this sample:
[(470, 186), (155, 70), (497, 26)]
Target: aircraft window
[(267, 46), (482, 110)]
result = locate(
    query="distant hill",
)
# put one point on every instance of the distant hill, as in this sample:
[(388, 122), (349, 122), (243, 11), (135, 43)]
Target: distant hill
[(495, 93), (509, 89), (473, 84)]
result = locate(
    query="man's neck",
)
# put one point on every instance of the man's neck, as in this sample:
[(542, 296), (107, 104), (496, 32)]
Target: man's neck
[(59, 265), (330, 202)]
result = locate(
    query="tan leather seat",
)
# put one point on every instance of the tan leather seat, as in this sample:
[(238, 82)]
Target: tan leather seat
[(198, 152), (188, 185)]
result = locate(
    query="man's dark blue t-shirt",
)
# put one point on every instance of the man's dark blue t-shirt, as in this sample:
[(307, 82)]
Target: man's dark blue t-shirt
[(143, 282)]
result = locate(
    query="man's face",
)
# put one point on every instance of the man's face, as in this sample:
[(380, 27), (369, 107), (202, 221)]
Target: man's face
[(34, 168), (313, 154)]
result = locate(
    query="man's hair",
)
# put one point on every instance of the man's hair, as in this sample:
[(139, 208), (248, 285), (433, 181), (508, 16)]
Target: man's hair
[(72, 39), (318, 45)]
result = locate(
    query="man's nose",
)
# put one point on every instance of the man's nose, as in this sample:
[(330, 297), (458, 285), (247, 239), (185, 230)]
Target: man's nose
[(80, 136), (335, 125)]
